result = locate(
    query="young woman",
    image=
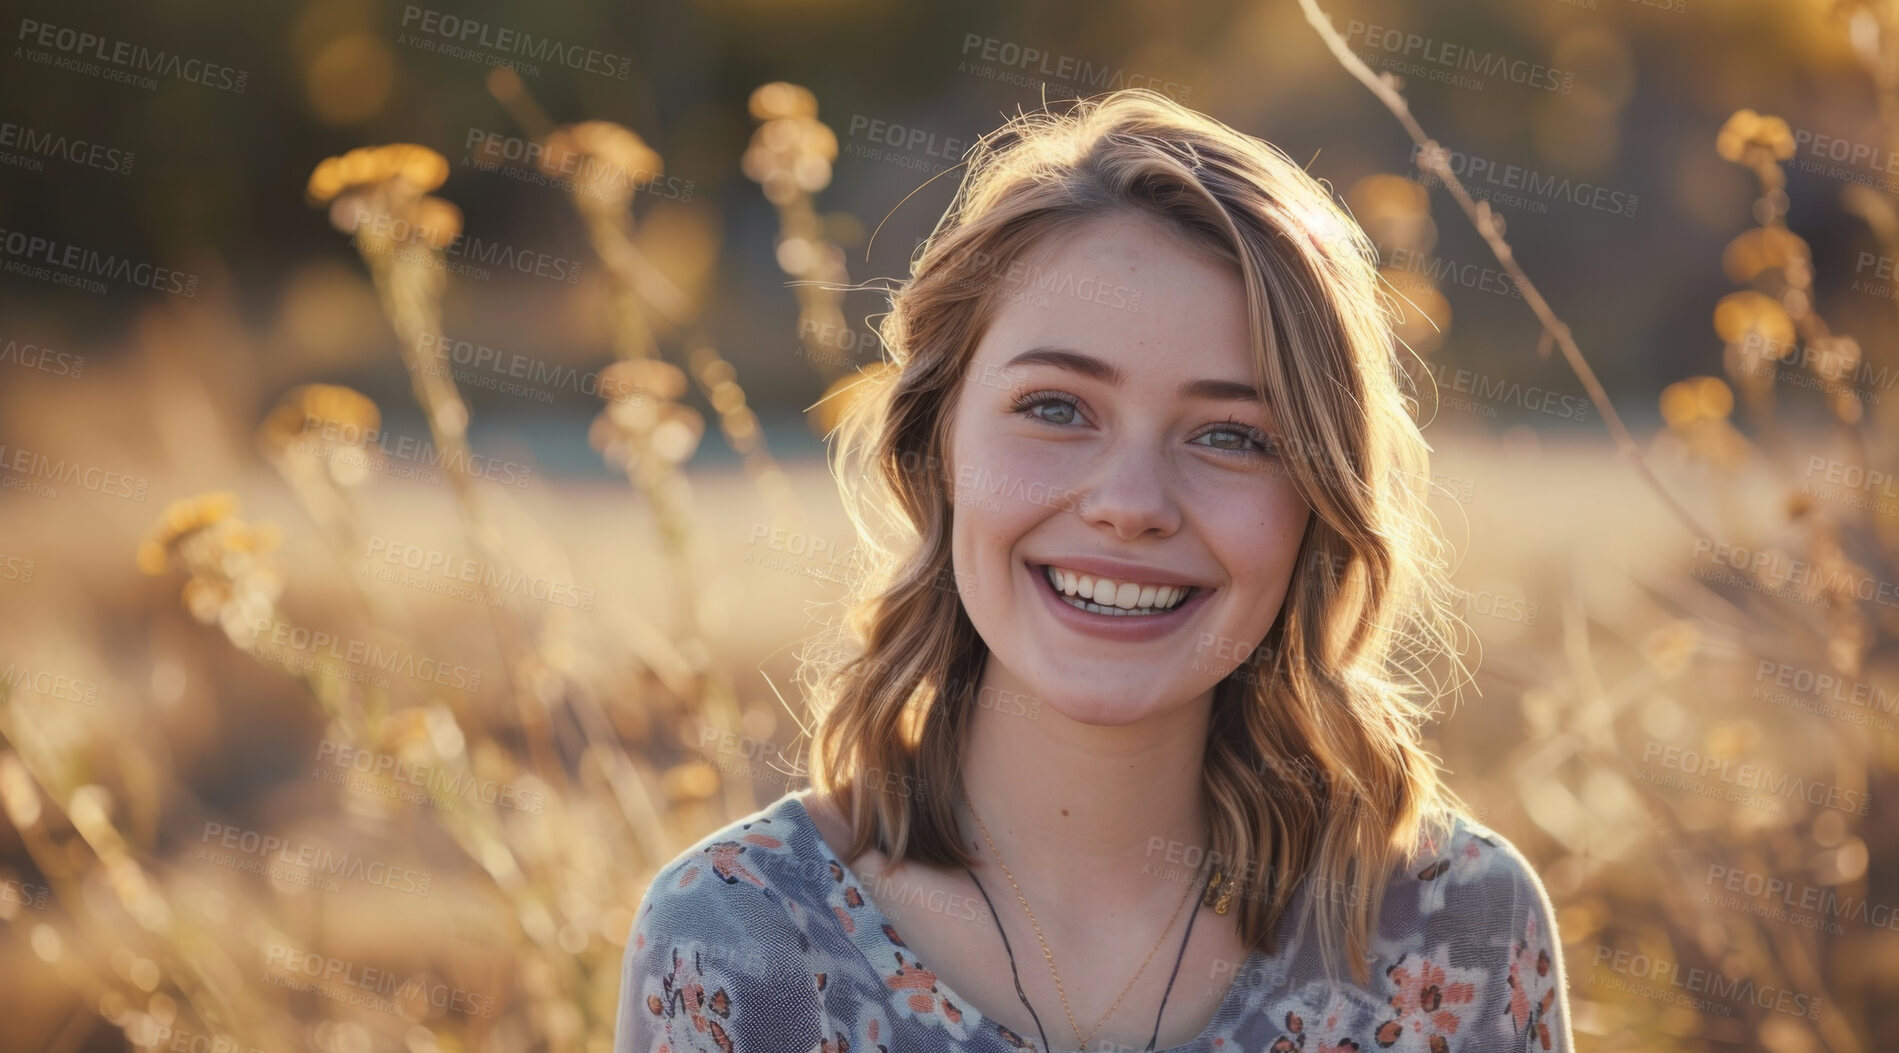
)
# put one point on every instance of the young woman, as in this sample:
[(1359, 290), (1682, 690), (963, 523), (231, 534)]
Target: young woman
[(1126, 753)]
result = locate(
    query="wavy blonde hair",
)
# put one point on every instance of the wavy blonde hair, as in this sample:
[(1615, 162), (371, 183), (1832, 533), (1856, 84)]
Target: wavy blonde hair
[(1314, 771)]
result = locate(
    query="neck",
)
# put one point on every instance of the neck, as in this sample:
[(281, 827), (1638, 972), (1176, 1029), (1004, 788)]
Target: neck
[(1082, 809)]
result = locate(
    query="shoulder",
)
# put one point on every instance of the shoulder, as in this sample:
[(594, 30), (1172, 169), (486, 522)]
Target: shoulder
[(1481, 933), (716, 952), (768, 853), (1465, 959), (1472, 853), (1474, 887)]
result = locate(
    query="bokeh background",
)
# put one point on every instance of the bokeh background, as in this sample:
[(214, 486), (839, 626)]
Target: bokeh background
[(379, 612)]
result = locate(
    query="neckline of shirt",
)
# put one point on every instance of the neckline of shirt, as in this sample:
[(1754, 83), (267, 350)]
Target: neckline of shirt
[(874, 937)]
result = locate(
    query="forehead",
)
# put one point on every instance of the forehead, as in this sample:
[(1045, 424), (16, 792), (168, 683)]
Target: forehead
[(1131, 290)]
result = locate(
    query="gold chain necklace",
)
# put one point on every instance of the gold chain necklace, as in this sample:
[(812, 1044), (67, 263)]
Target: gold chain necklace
[(1050, 955)]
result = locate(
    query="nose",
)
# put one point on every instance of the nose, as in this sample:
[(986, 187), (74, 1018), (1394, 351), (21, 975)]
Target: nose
[(1131, 493)]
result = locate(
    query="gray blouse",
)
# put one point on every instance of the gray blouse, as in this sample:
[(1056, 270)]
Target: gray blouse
[(758, 940)]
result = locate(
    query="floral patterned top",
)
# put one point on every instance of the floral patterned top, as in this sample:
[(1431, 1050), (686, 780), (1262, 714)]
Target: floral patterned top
[(758, 940)]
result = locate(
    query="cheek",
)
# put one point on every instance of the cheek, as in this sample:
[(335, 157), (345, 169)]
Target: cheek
[(999, 490), (1003, 467), (984, 514), (1256, 537)]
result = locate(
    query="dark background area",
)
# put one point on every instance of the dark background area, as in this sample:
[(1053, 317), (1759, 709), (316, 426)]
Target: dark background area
[(217, 186)]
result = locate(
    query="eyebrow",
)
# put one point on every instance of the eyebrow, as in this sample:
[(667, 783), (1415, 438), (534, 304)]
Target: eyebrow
[(1106, 372)]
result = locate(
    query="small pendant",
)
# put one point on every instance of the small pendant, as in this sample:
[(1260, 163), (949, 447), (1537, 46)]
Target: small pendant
[(1219, 894)]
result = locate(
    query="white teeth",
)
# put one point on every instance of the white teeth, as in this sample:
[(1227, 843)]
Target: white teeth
[(1106, 596)]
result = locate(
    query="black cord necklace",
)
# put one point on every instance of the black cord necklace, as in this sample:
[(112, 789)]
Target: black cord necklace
[(1020, 994), (1012, 972)]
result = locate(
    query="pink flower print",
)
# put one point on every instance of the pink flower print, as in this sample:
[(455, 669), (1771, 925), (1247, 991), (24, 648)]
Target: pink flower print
[(921, 982), (844, 899), (867, 1037), (725, 858), (683, 1000), (1426, 1001), (1333, 1011), (1325, 1040), (924, 998), (1532, 986)]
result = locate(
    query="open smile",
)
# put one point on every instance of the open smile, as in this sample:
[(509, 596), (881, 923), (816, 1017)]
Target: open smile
[(1102, 596), (1124, 611)]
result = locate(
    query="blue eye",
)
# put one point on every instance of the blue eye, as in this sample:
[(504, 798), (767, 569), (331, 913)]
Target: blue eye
[(1066, 403), (1245, 433)]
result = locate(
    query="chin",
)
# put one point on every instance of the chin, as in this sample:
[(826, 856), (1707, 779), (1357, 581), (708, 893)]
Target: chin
[(1109, 709)]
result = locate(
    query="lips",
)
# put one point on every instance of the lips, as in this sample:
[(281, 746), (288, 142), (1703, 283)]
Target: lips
[(1115, 625)]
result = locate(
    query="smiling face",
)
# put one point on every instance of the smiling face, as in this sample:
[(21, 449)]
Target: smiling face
[(1104, 433)]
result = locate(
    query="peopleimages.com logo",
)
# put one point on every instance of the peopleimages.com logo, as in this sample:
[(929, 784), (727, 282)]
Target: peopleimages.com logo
[(430, 779), (452, 29), (43, 359), (81, 263), (1013, 63), (306, 649), (35, 144), (573, 171), (1442, 58), (120, 60), (1520, 186), (256, 852), (432, 564), (464, 254), (382, 989), (25, 469)]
